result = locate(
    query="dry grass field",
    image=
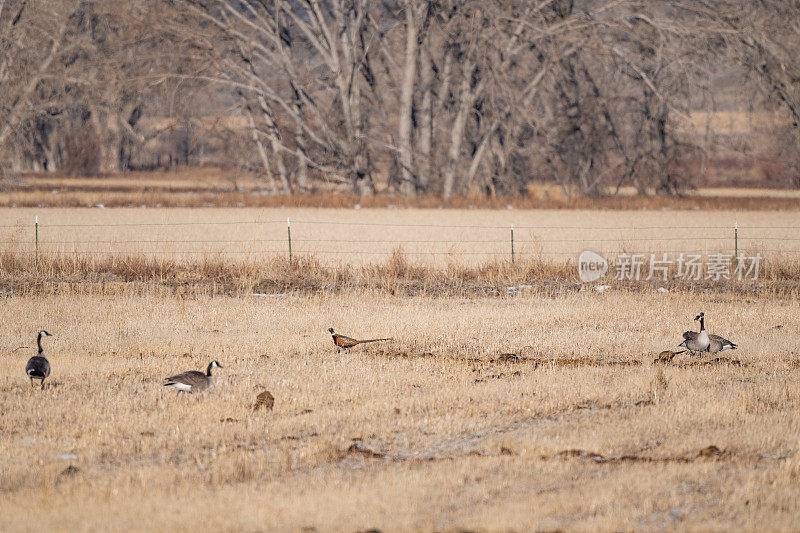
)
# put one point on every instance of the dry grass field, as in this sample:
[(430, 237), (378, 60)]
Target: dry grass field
[(439, 429), (437, 237), (726, 189), (537, 408)]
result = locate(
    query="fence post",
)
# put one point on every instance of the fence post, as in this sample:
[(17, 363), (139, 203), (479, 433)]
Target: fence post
[(289, 231), (36, 231), (512, 243), (736, 242)]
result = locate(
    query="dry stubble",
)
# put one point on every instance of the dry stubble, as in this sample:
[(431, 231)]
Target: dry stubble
[(436, 430)]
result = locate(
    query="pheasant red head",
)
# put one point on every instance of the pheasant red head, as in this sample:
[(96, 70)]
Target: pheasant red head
[(331, 330)]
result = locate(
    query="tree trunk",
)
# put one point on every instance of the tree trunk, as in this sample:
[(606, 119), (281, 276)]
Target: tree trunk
[(262, 151), (457, 131), (409, 185), (362, 175), (425, 124)]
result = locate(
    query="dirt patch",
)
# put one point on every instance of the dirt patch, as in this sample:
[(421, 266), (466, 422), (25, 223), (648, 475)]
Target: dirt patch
[(501, 375), (68, 472), (709, 453), (570, 362), (470, 443), (360, 449), (404, 355), (641, 402), (715, 361)]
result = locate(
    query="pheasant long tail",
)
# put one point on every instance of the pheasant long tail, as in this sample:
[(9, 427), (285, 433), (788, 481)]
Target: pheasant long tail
[(373, 340)]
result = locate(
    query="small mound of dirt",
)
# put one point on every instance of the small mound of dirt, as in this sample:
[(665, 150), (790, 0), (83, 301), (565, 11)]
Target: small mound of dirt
[(711, 452), (722, 361), (405, 355), (501, 375), (264, 399), (585, 361), (581, 454), (713, 362), (69, 471), (359, 449)]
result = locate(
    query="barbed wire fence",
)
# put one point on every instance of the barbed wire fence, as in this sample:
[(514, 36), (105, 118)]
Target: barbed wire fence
[(301, 238)]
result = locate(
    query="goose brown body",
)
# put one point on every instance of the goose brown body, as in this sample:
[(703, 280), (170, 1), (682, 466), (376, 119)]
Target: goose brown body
[(38, 366), (696, 341), (702, 341), (193, 381), (719, 344)]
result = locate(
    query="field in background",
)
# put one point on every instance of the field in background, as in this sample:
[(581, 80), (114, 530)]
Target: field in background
[(439, 429), (365, 236), (209, 187)]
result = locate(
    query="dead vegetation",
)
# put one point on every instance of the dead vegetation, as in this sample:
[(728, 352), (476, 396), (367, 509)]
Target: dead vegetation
[(22, 273), (225, 188), (484, 413), (512, 397)]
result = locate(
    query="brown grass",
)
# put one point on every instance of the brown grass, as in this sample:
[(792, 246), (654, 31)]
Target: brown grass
[(229, 188), (511, 398), (440, 429), (409, 252), (136, 274)]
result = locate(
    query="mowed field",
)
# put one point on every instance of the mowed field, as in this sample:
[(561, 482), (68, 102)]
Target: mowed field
[(435, 237), (526, 410), (439, 429)]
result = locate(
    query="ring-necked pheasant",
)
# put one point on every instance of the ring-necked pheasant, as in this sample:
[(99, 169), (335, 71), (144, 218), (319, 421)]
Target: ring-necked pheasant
[(346, 343)]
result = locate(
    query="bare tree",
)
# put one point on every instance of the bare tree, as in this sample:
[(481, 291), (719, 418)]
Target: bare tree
[(763, 37), (74, 83), (305, 64), (411, 96)]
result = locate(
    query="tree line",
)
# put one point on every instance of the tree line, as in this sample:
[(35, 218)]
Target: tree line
[(416, 97)]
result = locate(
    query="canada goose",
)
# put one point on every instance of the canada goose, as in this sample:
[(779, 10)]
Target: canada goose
[(346, 343), (38, 366), (695, 341), (719, 344), (193, 381)]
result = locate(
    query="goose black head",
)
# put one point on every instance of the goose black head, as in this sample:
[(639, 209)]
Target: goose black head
[(42, 333), (215, 364), (698, 317), (331, 330)]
